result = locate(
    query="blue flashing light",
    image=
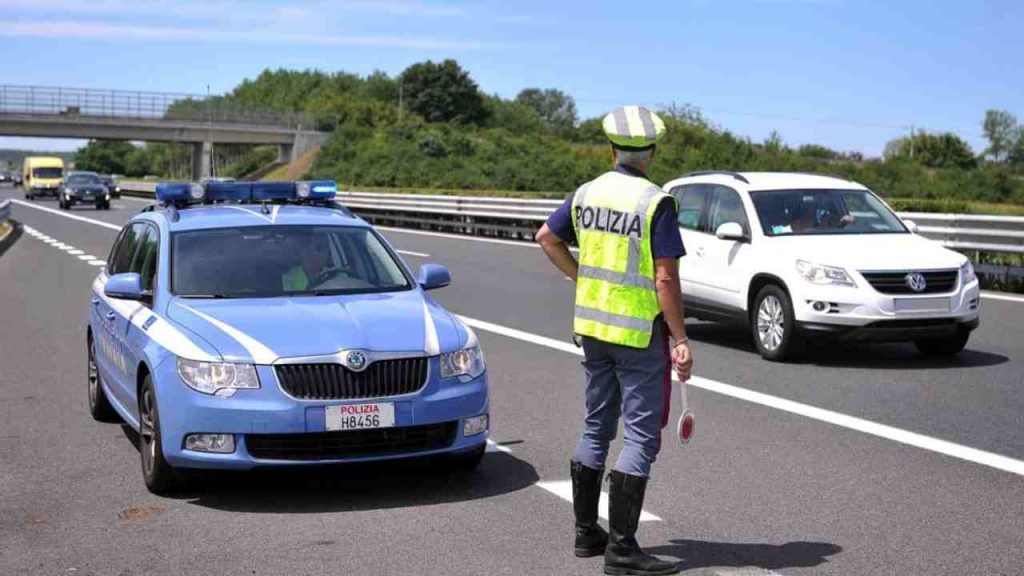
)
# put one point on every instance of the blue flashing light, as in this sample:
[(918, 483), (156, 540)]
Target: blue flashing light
[(273, 191), (235, 191), (173, 192), (322, 189)]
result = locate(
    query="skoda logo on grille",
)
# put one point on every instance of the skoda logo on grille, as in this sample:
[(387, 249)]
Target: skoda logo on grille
[(916, 282), (355, 360)]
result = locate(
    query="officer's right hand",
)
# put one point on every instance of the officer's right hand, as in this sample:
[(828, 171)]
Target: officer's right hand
[(682, 360)]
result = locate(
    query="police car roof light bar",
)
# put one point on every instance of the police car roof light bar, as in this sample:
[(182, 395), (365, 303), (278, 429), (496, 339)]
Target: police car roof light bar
[(228, 191), (179, 192), (735, 175)]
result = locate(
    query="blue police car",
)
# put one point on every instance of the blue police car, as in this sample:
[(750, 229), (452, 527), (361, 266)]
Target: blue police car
[(239, 325)]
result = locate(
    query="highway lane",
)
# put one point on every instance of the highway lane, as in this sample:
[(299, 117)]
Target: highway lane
[(757, 487)]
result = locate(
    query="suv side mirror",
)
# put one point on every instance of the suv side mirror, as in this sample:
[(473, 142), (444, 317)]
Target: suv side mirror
[(911, 225), (126, 286), (433, 276), (731, 231)]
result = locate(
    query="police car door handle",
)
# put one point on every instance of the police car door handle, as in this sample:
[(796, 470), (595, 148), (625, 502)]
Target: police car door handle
[(95, 301), (109, 315)]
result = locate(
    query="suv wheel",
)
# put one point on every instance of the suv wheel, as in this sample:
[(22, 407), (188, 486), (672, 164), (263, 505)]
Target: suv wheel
[(943, 347), (156, 472), (772, 324), (99, 406)]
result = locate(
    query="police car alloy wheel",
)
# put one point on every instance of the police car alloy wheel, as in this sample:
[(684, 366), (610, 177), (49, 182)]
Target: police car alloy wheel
[(157, 473), (772, 324), (99, 406)]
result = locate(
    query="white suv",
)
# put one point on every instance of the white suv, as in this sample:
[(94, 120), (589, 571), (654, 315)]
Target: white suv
[(795, 256)]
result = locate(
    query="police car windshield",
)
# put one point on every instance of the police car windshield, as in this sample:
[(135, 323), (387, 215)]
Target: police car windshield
[(820, 212), (269, 261)]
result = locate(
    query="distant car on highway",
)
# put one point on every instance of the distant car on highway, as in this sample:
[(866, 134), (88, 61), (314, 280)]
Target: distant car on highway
[(84, 188), (6, 176), (110, 181), (243, 325), (43, 176), (806, 257)]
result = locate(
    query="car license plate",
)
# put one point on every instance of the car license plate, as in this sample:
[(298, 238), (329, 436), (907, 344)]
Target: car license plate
[(921, 305), (360, 416)]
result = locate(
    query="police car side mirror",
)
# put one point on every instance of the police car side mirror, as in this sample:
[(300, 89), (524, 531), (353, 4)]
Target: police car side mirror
[(911, 226), (433, 276), (731, 231), (125, 286)]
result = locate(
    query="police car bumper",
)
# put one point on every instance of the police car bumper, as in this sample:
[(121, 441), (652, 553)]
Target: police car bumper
[(862, 314), (266, 427)]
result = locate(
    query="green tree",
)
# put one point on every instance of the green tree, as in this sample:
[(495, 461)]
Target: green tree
[(104, 156), (513, 116), (945, 150), (443, 92), (557, 108), (1003, 133)]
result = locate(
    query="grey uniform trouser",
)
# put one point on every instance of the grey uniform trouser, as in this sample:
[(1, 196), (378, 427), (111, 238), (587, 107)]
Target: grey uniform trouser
[(634, 383)]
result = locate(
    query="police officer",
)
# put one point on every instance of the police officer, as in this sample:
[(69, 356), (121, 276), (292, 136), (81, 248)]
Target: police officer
[(628, 304)]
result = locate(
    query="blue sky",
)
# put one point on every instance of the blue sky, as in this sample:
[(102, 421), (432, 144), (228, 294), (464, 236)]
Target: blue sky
[(844, 73)]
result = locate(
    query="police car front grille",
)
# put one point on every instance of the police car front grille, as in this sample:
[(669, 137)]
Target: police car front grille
[(938, 281), (352, 443), (336, 382)]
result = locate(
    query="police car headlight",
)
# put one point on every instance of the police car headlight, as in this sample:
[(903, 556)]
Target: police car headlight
[(217, 378), (819, 274), (465, 362)]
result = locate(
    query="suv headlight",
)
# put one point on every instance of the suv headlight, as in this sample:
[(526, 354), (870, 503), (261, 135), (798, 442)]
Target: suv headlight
[(217, 378), (967, 274), (820, 274), (465, 362)]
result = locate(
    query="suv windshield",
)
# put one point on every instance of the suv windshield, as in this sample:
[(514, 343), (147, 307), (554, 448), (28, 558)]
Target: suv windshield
[(53, 172), (806, 212), (82, 180), (267, 261)]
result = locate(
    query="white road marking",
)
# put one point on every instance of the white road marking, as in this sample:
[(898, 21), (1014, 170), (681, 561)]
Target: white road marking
[(134, 199), (563, 489), (86, 257), (459, 237), (899, 435), (66, 215), (411, 253), (98, 262), (493, 446), (1000, 296), (75, 252)]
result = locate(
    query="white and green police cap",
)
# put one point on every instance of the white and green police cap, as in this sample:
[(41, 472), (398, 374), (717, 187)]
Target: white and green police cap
[(633, 127)]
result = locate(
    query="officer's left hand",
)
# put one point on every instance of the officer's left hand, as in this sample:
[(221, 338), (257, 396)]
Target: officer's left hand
[(682, 361)]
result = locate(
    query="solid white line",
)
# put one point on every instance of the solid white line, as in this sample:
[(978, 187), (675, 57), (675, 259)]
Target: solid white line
[(134, 199), (493, 446), (563, 489), (999, 296), (411, 253), (66, 215), (936, 445), (459, 237)]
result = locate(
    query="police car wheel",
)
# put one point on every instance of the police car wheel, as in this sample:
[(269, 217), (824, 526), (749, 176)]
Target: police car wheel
[(99, 406), (156, 472), (944, 347), (772, 324), (468, 461)]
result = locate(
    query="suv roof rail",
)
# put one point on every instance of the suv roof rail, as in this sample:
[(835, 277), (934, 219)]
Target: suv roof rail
[(828, 175), (735, 175)]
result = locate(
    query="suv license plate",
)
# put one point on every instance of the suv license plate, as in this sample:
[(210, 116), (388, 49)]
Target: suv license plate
[(921, 305), (360, 416)]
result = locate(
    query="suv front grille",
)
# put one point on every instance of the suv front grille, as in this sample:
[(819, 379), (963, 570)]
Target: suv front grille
[(937, 281), (336, 382), (350, 444)]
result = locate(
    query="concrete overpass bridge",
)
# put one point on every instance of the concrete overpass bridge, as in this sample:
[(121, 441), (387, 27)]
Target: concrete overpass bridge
[(153, 117)]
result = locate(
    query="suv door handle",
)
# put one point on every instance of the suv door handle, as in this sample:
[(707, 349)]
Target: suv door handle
[(110, 315), (700, 251)]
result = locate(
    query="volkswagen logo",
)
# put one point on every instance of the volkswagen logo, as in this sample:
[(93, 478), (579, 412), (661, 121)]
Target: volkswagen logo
[(916, 282), (355, 360)]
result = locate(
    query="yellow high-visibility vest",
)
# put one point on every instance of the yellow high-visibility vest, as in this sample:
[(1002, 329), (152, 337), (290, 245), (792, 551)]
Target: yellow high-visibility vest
[(616, 299)]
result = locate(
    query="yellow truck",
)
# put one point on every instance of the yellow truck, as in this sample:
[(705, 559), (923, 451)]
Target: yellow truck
[(42, 176)]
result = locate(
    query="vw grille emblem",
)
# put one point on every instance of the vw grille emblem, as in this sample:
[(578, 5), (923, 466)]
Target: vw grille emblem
[(355, 360), (916, 282)]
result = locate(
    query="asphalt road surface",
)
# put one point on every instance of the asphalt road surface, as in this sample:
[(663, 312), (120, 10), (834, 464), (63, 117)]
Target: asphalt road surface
[(867, 460)]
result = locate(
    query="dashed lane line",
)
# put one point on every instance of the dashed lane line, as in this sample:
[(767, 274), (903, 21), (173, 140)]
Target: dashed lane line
[(71, 250), (944, 447)]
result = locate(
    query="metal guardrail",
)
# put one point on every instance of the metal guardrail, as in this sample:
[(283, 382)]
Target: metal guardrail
[(87, 102), (5, 210), (519, 218)]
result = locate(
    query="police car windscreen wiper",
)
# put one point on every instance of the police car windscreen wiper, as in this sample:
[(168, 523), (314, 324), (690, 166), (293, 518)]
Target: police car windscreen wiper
[(198, 296)]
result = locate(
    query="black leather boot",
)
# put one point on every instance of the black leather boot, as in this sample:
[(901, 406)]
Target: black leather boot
[(586, 491), (623, 555)]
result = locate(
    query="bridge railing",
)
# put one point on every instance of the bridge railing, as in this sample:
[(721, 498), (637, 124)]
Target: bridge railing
[(520, 218), (88, 102)]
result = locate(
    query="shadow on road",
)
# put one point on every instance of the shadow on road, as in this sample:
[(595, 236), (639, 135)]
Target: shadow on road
[(699, 554), (902, 356), (353, 487)]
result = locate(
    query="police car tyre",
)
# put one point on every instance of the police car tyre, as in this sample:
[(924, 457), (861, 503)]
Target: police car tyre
[(468, 461), (771, 324), (99, 405), (158, 475), (943, 347)]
